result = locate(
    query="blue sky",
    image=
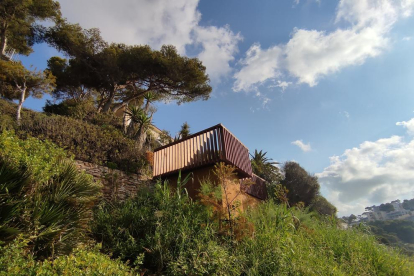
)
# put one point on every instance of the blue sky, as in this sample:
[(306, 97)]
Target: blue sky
[(328, 84)]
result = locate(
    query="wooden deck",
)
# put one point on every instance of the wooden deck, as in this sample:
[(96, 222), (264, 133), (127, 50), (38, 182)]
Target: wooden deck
[(207, 147)]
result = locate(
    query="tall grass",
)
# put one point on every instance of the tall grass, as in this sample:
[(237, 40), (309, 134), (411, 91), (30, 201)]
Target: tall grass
[(294, 242), (177, 236)]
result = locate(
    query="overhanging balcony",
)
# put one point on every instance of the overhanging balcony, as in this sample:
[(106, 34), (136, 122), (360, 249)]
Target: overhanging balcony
[(207, 147)]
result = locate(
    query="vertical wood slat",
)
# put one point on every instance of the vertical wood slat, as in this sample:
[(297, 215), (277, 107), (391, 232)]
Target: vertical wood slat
[(209, 146)]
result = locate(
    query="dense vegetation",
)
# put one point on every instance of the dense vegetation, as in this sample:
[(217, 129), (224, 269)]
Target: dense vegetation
[(97, 141), (164, 232), (179, 237), (53, 220), (396, 233)]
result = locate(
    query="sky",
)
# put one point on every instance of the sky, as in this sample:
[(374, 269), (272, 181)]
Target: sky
[(328, 84)]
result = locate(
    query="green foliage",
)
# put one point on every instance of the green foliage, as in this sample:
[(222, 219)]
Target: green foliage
[(395, 233), (16, 260), (179, 237), (302, 186), (118, 73), (87, 142), (42, 196), (408, 204), (18, 22), (292, 242), (184, 131), (321, 205), (265, 168), (17, 82), (175, 234), (387, 207), (82, 110)]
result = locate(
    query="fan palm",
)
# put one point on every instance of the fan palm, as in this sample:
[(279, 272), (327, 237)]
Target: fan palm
[(264, 166), (54, 215)]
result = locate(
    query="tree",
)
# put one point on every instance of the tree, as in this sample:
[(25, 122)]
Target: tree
[(18, 23), (265, 167), (184, 131), (388, 207), (408, 204), (16, 82), (351, 218), (321, 205), (302, 186), (121, 74)]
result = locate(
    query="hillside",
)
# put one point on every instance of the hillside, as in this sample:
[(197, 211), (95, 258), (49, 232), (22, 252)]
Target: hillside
[(164, 232)]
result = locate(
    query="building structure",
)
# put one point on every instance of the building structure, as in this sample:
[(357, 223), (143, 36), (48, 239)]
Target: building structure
[(199, 153)]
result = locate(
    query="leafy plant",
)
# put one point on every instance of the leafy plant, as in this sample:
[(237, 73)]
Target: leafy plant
[(42, 196)]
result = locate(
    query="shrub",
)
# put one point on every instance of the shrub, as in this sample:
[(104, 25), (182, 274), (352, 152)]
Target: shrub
[(16, 260), (42, 196), (175, 234), (87, 142)]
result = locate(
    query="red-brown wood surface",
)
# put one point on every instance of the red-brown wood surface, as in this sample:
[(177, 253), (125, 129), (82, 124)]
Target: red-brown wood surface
[(254, 186), (215, 144)]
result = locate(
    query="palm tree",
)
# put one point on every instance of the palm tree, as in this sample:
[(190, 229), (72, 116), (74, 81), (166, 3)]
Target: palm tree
[(264, 166), (53, 215)]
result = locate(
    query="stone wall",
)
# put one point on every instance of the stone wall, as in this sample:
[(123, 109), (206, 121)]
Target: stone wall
[(117, 185)]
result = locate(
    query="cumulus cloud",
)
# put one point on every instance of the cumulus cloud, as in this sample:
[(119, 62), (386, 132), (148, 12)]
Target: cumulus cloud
[(409, 125), (219, 46), (258, 66), (302, 146), (372, 173), (312, 54), (156, 23)]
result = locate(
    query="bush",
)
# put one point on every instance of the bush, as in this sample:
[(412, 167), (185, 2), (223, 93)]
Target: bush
[(15, 260), (175, 234), (87, 142), (42, 196)]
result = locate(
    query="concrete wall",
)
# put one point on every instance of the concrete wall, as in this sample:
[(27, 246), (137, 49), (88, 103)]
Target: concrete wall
[(117, 185)]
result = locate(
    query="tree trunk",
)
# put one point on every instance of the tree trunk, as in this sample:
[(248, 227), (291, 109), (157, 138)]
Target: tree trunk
[(3, 41), (107, 106), (19, 106)]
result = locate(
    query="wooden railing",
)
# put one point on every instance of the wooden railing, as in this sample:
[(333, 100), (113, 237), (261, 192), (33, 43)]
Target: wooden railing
[(254, 186), (215, 144)]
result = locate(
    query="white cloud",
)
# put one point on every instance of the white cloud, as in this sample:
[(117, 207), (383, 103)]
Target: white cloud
[(155, 23), (302, 146), (258, 67), (219, 46), (406, 38), (373, 173), (409, 125), (281, 84), (312, 54)]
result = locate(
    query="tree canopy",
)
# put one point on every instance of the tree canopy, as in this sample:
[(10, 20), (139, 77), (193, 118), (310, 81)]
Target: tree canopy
[(119, 74), (18, 22), (17, 82), (302, 186)]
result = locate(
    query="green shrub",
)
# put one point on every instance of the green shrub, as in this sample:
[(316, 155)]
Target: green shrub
[(175, 234), (83, 110), (42, 196), (16, 260), (87, 142)]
